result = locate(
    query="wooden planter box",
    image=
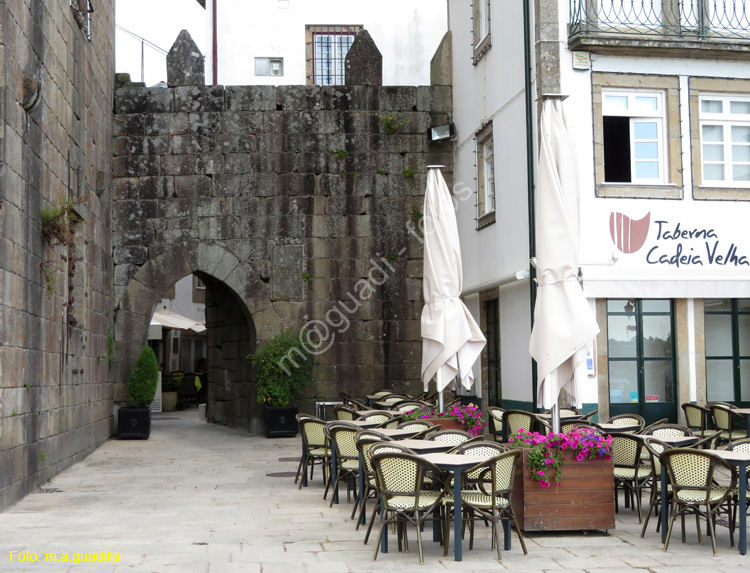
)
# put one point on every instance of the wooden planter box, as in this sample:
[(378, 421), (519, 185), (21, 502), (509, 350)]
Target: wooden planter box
[(446, 423), (584, 499)]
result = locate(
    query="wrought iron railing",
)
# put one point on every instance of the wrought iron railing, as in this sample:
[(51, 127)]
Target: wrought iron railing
[(686, 19)]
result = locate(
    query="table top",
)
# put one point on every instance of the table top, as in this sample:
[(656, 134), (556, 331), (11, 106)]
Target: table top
[(616, 427), (743, 411), (738, 457), (361, 413), (567, 417), (395, 432), (677, 440), (360, 423), (426, 445), (454, 461)]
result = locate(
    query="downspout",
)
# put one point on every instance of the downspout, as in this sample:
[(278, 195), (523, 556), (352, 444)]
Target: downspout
[(530, 176), (215, 46)]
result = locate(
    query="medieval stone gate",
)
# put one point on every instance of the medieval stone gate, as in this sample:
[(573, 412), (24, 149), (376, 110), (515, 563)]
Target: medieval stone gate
[(296, 205)]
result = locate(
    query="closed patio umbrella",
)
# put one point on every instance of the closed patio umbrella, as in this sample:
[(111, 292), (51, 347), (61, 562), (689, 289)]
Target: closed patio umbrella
[(563, 321), (451, 339)]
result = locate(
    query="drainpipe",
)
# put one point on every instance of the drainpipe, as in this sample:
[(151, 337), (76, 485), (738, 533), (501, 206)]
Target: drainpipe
[(530, 175), (215, 45)]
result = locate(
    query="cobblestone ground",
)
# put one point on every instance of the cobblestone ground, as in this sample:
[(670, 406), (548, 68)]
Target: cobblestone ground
[(203, 498)]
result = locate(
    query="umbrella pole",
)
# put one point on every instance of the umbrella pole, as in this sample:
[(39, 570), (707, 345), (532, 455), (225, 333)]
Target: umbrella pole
[(440, 392), (555, 412)]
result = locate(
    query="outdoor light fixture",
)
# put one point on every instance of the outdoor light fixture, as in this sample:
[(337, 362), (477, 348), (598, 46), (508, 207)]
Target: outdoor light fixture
[(441, 132)]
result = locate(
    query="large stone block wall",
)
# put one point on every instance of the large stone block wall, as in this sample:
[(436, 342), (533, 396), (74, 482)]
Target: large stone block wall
[(291, 196), (55, 303)]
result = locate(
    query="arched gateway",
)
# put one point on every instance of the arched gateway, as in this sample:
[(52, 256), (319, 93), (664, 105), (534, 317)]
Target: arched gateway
[(298, 207)]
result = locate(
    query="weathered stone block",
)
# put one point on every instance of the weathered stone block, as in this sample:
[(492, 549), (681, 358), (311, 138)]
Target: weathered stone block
[(435, 99), (209, 164), (126, 188), (239, 143), (208, 123), (199, 98), (185, 62), (177, 165), (398, 98), (165, 124), (143, 100), (156, 187), (364, 63), (296, 184), (135, 166), (251, 98), (287, 269), (128, 125), (130, 255)]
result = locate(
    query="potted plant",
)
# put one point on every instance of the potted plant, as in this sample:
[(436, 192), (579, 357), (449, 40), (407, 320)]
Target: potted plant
[(134, 421), (458, 416), (170, 389), (583, 498), (284, 369)]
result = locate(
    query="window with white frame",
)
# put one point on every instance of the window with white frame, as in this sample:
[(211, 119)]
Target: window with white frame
[(725, 140), (633, 136), (481, 28), (485, 177)]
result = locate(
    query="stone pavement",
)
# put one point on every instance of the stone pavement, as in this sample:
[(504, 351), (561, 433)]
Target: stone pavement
[(197, 497)]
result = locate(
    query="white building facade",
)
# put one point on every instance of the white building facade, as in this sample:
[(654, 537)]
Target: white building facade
[(658, 108), (293, 42)]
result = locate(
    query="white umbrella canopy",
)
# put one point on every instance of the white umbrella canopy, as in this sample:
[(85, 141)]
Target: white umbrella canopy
[(451, 338), (563, 321)]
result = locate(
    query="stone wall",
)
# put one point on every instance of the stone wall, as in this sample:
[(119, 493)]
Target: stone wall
[(55, 301), (292, 197)]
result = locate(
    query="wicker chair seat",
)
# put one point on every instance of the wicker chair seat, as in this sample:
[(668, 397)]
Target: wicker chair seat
[(478, 499), (716, 493), (427, 498), (632, 473)]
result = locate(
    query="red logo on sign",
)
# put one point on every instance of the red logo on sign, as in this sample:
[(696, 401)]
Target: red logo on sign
[(627, 234)]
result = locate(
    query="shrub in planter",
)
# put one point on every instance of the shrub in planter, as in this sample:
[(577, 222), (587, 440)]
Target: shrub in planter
[(135, 420), (283, 369)]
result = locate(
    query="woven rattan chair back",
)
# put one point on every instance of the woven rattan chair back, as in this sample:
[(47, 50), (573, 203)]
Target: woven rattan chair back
[(313, 433), (405, 406), (691, 473), (722, 416), (416, 425), (344, 412), (454, 437), (514, 420), (696, 417), (668, 430), (626, 450), (628, 420), (341, 436), (741, 445), (381, 417), (479, 448), (495, 419)]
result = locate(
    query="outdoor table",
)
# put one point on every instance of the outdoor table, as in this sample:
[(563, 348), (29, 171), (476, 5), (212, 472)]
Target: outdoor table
[(371, 399), (739, 460), (426, 446), (361, 413), (547, 416), (334, 466), (396, 433), (677, 441), (616, 428), (456, 463)]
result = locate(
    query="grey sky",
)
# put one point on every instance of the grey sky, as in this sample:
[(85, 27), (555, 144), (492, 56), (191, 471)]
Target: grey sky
[(159, 22)]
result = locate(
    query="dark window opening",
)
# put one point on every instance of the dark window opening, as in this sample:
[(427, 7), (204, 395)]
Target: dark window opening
[(617, 149)]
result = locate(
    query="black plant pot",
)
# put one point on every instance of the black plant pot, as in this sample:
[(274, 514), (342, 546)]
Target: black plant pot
[(134, 423), (281, 421)]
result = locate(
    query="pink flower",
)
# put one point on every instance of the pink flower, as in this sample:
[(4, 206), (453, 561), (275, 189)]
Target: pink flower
[(544, 483), (540, 473)]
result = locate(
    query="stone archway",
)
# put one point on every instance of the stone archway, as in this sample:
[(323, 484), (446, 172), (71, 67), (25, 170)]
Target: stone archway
[(236, 296)]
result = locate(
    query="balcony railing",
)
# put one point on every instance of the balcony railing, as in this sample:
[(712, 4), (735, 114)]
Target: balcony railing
[(684, 19)]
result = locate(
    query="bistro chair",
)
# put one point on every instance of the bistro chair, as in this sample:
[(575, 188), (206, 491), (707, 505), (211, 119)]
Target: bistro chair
[(741, 445), (399, 477), (697, 418), (590, 416), (645, 429), (454, 437), (420, 427), (654, 447), (353, 402), (315, 447), (341, 436), (381, 417), (495, 415), (514, 420), (671, 430), (691, 477), (490, 497), (629, 473), (725, 420), (345, 412), (364, 439), (405, 406), (382, 447), (628, 420), (392, 399)]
